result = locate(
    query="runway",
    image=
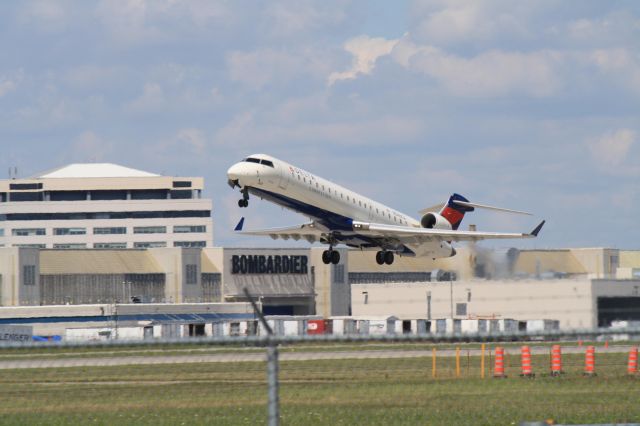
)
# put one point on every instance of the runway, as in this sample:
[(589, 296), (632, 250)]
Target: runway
[(285, 355)]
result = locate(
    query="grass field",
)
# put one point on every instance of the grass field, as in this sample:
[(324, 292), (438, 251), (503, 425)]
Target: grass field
[(367, 391)]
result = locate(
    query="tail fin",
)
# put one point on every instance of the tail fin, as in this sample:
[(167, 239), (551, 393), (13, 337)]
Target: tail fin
[(454, 212)]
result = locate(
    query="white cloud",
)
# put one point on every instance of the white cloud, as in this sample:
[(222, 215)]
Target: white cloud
[(6, 86), (146, 21), (458, 21), (611, 150), (194, 139), (491, 73), (89, 147), (619, 63), (265, 67), (92, 76), (151, 100), (46, 15), (250, 129), (292, 17), (365, 51)]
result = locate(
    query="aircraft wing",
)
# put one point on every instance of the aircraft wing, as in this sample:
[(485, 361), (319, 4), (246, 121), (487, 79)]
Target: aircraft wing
[(308, 231), (408, 235)]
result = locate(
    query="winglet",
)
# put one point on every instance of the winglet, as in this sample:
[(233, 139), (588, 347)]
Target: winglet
[(537, 229), (239, 225)]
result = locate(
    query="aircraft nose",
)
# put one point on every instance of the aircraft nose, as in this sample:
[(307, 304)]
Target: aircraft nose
[(235, 171)]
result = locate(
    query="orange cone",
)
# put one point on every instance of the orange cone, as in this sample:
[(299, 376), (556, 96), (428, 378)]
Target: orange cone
[(526, 362), (556, 360), (498, 366), (632, 367), (606, 343), (590, 361)]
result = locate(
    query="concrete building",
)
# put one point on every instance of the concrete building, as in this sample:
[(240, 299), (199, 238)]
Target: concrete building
[(104, 206), (286, 281), (576, 303)]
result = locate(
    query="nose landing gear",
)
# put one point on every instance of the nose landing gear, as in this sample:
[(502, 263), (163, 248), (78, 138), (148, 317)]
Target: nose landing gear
[(244, 202), (383, 257)]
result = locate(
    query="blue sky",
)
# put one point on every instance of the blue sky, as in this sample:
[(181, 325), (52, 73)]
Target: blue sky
[(531, 105)]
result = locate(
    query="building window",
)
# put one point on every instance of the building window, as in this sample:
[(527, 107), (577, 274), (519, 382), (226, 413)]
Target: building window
[(461, 309), (23, 186), (110, 246), (1, 232), (106, 215), (181, 194), (70, 246), (181, 184), (150, 230), (29, 274), (26, 196), (188, 244), (149, 194), (27, 232), (338, 274), (110, 230), (183, 229), (192, 274), (69, 231), (149, 244), (67, 195), (38, 246)]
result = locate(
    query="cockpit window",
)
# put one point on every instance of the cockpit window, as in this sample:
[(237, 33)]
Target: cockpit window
[(267, 163), (252, 160)]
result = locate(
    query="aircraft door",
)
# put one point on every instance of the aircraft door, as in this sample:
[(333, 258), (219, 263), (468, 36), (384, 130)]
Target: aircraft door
[(284, 177)]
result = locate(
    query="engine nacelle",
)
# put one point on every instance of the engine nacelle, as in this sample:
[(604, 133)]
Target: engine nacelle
[(435, 221)]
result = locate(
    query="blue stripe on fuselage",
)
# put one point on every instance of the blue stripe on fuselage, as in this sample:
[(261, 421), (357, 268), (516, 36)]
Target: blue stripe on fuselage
[(331, 220), (327, 218)]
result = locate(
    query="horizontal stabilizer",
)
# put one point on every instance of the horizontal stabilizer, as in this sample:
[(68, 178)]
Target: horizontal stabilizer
[(483, 206)]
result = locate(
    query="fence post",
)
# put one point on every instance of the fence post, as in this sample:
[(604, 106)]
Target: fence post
[(273, 385)]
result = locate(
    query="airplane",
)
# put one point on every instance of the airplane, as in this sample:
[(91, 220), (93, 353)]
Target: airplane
[(341, 216)]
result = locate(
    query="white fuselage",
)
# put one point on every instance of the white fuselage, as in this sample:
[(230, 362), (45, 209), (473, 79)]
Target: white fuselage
[(295, 183), (321, 199)]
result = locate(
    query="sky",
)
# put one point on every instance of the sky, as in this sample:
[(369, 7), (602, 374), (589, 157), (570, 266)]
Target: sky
[(530, 105)]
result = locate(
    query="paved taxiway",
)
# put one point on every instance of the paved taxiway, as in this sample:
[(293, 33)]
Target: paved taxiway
[(284, 356)]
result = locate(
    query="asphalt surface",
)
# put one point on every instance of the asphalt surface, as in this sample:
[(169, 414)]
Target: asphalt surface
[(284, 356)]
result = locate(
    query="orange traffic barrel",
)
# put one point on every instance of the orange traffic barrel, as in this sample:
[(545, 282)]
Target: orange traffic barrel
[(556, 360), (526, 362), (632, 367), (590, 361), (498, 366)]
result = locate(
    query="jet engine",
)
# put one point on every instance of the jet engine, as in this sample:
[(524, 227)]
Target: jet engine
[(434, 221)]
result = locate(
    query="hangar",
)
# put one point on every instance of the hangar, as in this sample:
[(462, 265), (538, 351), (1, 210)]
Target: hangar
[(578, 287)]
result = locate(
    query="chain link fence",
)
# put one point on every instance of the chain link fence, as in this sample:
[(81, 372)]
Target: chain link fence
[(324, 379)]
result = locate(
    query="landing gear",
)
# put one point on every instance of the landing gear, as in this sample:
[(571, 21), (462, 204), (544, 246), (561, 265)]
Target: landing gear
[(330, 256), (383, 257), (244, 202)]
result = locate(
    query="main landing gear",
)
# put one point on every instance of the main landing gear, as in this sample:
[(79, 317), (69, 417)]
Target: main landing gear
[(383, 257), (244, 202), (331, 256)]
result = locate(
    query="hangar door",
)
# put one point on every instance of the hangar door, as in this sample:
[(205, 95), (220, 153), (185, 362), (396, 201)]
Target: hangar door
[(617, 308)]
